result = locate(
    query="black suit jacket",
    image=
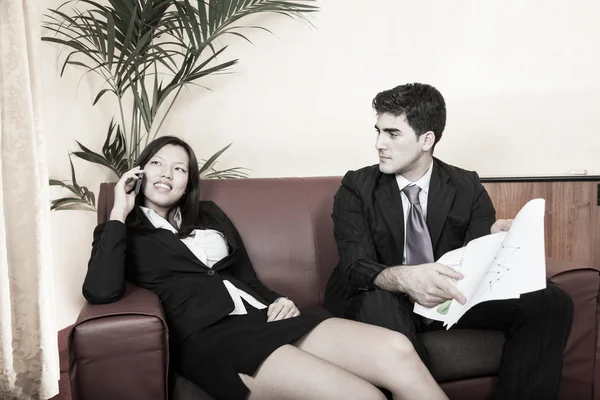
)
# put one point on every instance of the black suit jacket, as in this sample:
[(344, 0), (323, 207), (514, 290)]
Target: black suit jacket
[(193, 295), (369, 224)]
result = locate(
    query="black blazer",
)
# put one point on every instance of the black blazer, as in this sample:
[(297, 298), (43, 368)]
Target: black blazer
[(193, 295), (369, 224)]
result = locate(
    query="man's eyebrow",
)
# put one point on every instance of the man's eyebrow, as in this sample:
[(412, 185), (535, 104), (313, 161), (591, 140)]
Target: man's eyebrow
[(388, 130)]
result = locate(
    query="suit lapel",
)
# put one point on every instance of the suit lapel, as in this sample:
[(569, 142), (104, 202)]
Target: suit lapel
[(439, 201), (169, 239), (389, 202)]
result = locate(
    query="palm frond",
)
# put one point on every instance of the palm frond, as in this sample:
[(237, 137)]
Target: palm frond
[(230, 173), (208, 170), (114, 151), (117, 38), (146, 52), (208, 164), (85, 200), (214, 16), (71, 203)]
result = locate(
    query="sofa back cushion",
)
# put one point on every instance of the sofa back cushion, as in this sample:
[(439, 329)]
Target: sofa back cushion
[(285, 224)]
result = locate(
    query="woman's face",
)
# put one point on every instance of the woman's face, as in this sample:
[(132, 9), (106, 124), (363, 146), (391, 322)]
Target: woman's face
[(165, 178)]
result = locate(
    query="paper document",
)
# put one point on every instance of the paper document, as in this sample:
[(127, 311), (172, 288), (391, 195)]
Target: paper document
[(497, 266)]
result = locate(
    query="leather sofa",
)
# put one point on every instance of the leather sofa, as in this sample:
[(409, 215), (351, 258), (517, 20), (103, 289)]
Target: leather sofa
[(121, 350)]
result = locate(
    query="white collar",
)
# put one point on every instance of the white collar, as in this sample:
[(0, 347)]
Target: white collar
[(160, 222), (423, 183)]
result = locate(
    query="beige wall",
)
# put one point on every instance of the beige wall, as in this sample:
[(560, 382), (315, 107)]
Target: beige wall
[(520, 79)]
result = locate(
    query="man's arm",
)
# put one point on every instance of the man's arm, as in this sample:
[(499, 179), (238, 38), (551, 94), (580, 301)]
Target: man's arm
[(483, 214), (358, 258)]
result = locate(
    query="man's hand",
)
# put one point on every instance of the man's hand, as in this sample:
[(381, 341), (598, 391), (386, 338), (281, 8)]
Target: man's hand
[(426, 284), (501, 225), (282, 308)]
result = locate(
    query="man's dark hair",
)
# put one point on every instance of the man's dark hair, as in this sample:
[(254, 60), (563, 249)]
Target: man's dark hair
[(422, 105), (189, 202)]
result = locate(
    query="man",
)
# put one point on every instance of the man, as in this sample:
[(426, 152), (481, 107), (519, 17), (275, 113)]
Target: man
[(392, 220)]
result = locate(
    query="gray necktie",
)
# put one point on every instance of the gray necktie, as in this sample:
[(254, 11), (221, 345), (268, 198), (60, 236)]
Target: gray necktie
[(419, 249)]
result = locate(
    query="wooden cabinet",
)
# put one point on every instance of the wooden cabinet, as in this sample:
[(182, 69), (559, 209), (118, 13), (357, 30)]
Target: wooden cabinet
[(572, 224)]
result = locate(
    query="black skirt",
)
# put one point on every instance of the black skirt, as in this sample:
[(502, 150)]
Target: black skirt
[(213, 357)]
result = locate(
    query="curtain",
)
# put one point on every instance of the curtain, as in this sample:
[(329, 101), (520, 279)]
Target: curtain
[(29, 367)]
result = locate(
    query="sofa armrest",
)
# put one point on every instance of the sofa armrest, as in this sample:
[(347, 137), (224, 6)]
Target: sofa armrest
[(582, 283), (120, 350), (556, 267)]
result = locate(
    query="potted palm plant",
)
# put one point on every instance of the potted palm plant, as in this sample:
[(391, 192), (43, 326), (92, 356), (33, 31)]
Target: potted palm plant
[(146, 52)]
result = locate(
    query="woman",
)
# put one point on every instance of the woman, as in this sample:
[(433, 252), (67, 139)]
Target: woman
[(234, 338)]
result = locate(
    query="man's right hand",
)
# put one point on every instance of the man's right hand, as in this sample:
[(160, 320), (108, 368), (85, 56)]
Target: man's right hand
[(426, 284)]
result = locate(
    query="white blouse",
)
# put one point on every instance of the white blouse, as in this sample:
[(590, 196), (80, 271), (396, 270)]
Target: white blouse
[(209, 246)]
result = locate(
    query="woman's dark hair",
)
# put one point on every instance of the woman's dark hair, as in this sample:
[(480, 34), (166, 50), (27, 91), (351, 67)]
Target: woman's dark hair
[(189, 203)]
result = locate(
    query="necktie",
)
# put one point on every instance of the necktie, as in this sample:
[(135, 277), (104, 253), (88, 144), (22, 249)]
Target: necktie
[(419, 249)]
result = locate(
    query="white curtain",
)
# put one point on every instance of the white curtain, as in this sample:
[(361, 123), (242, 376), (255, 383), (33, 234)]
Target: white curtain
[(29, 367)]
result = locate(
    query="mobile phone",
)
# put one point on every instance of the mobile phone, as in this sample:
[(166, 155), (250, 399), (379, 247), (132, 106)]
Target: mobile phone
[(138, 185)]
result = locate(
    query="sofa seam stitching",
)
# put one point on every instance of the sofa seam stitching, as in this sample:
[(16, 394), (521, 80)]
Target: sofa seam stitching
[(312, 224)]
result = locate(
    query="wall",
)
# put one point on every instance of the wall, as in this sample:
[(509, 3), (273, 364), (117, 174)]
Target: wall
[(520, 80)]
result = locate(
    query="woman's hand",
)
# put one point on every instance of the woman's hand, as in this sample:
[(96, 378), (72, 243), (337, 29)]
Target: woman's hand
[(125, 195), (282, 308)]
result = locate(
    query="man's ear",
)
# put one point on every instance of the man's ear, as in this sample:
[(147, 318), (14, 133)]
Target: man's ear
[(428, 139)]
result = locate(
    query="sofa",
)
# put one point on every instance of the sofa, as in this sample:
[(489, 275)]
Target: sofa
[(120, 351)]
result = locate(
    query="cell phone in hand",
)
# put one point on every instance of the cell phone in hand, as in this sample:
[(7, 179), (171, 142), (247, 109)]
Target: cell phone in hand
[(138, 185)]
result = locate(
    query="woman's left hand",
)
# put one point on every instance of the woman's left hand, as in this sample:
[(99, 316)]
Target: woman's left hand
[(282, 308)]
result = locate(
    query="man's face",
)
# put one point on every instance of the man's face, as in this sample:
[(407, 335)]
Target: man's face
[(400, 150)]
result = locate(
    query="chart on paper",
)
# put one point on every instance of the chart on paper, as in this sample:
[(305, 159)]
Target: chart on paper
[(500, 267)]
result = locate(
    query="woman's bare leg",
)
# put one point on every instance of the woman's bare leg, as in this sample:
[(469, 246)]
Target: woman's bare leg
[(290, 373), (381, 356)]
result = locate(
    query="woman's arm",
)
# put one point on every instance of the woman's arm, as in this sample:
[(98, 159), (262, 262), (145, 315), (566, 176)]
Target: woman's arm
[(105, 278)]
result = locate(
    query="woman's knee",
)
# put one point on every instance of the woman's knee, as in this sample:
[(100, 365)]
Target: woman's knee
[(395, 348)]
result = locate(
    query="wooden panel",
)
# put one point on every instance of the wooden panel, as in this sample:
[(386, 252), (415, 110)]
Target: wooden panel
[(572, 224)]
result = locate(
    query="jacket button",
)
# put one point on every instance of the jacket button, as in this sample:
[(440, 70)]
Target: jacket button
[(210, 272)]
